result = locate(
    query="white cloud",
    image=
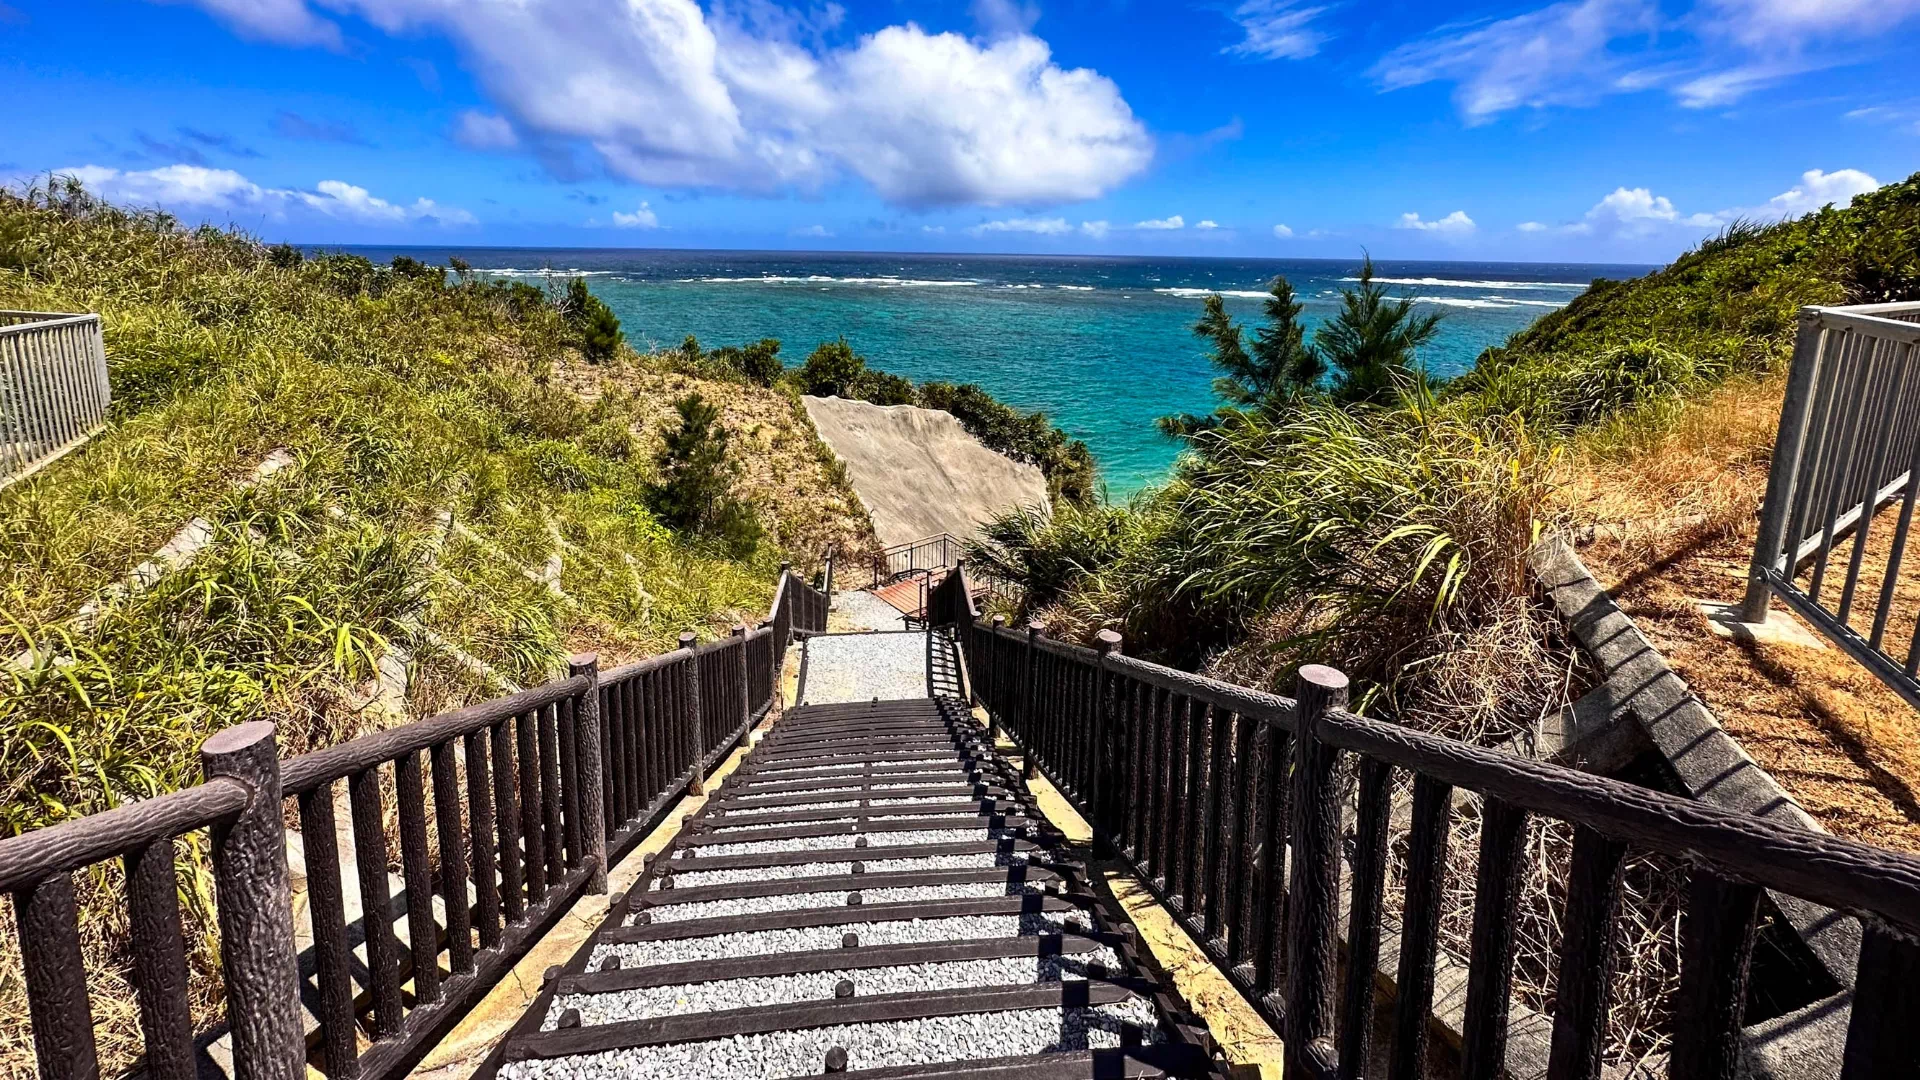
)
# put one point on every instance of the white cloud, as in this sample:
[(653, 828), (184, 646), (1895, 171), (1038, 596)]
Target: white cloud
[(172, 186), (1174, 222), (936, 230), (1207, 224), (1037, 226), (1277, 30), (484, 131), (1096, 229), (813, 230), (1531, 226), (1454, 224), (666, 93), (1787, 25), (1282, 232), (643, 218), (1638, 212), (288, 22), (1004, 18), (1817, 189), (1557, 55), (177, 187)]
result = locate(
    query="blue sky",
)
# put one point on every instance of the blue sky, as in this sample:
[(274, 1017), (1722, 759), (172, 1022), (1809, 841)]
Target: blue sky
[(1586, 130)]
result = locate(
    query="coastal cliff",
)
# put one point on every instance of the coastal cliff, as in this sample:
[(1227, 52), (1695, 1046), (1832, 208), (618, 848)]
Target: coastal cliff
[(919, 472)]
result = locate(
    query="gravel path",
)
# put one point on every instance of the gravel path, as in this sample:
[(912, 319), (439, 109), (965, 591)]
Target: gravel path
[(694, 879), (868, 1046), (861, 667)]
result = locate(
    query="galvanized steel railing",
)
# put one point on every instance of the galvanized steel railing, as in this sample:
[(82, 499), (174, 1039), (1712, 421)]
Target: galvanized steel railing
[(1848, 447), (53, 387)]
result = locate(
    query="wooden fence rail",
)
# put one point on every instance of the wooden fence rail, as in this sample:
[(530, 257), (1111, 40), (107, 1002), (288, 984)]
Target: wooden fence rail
[(507, 811), (1223, 800)]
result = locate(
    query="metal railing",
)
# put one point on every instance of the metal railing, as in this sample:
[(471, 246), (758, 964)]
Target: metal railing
[(1228, 803), (1848, 447), (53, 388), (936, 552), (507, 811)]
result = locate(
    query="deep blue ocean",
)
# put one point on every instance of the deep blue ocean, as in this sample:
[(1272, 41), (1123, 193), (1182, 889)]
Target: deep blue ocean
[(1103, 344)]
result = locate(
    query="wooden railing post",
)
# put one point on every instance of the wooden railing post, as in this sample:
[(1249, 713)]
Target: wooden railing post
[(1035, 629), (1313, 892), (690, 723), (827, 581), (591, 769), (256, 909), (48, 921), (1107, 642), (746, 675)]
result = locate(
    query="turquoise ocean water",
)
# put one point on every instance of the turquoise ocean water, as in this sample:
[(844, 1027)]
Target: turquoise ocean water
[(1104, 345)]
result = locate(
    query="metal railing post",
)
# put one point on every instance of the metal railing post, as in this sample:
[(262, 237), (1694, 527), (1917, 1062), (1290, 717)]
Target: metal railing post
[(590, 767), (1808, 349), (255, 900)]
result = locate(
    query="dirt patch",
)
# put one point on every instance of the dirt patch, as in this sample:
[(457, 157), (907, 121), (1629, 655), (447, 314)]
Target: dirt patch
[(1669, 520), (919, 472)]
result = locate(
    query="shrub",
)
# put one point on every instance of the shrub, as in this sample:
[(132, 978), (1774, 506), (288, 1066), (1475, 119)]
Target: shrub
[(886, 388), (693, 494), (594, 321), (832, 370)]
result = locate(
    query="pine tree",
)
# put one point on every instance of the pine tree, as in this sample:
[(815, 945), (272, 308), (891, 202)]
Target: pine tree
[(1279, 368), (1372, 343), (593, 320), (693, 493)]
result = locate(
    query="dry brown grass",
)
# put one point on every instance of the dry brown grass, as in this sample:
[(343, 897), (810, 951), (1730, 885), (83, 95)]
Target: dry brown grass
[(1671, 517)]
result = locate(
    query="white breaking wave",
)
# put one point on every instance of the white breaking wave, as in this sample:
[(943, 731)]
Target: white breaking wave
[(1488, 302), (818, 279), (555, 272), (1452, 284), (1075, 288), (1249, 294)]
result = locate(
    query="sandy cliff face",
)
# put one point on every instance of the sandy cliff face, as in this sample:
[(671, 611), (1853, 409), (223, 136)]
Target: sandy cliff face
[(919, 472)]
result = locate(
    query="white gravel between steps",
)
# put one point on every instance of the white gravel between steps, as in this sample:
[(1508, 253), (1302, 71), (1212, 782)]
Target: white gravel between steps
[(804, 901), (868, 1046), (721, 824), (756, 811), (652, 1001), (809, 938), (919, 764), (924, 800), (845, 840), (751, 794), (693, 879)]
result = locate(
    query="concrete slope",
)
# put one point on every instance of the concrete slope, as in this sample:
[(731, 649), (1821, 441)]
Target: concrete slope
[(919, 472)]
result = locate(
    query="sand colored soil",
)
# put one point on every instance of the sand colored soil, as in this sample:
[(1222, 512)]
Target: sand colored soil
[(1669, 521), (918, 472)]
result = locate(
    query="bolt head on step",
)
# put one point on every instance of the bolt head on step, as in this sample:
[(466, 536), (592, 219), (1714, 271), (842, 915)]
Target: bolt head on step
[(853, 899), (844, 989), (837, 1059), (859, 868), (850, 941), (859, 841), (550, 974), (611, 963), (569, 1019)]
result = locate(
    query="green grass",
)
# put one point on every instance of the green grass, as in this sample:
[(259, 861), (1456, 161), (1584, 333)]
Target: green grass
[(404, 399)]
